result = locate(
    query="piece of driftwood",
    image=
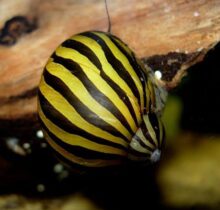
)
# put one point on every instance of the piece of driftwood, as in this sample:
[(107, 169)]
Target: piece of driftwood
[(151, 28)]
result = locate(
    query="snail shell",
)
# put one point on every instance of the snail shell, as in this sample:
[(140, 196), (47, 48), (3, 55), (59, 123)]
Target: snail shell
[(95, 103)]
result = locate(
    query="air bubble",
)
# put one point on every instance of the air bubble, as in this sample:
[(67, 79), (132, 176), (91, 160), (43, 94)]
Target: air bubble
[(40, 134), (158, 74), (40, 188), (58, 168)]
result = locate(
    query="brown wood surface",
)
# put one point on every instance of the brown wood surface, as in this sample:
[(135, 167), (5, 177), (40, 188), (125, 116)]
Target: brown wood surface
[(149, 27)]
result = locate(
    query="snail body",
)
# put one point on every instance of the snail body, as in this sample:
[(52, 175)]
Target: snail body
[(96, 103)]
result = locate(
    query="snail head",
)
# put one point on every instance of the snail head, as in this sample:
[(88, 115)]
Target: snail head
[(148, 141)]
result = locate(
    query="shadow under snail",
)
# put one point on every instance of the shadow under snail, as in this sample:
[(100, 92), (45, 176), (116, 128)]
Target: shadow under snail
[(98, 105)]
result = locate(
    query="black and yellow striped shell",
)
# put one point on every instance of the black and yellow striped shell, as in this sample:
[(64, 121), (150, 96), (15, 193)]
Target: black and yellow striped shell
[(95, 103)]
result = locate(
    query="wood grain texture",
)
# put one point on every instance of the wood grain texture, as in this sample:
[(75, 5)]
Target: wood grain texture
[(149, 27)]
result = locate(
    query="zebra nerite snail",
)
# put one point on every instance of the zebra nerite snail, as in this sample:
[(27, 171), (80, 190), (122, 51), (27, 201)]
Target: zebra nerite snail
[(97, 103)]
